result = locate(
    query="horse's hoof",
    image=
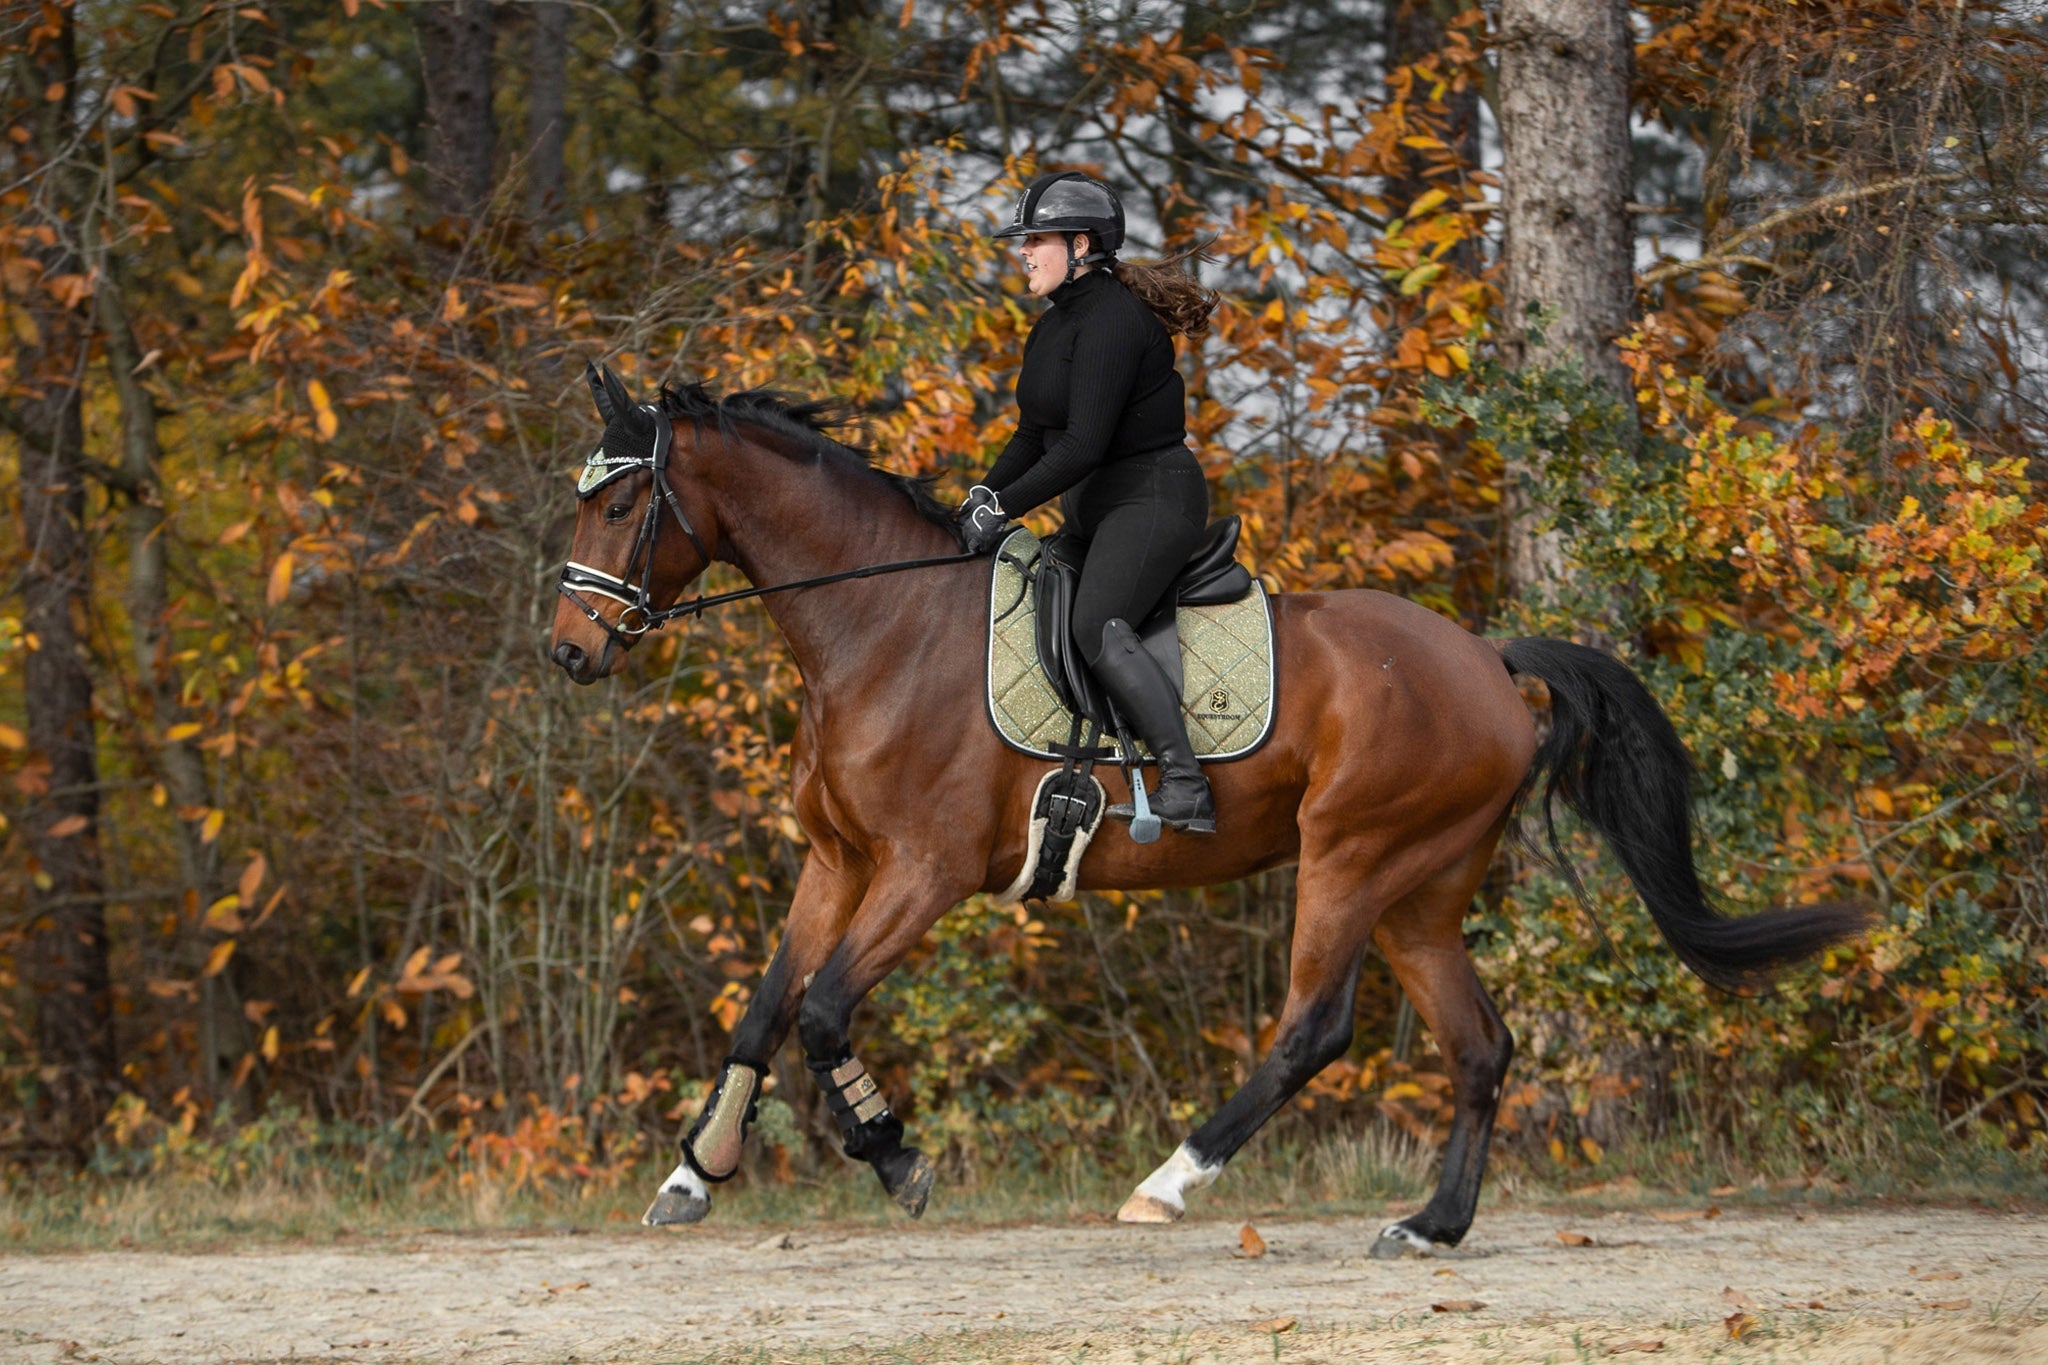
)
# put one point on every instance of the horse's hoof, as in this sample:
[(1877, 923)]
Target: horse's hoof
[(675, 1208), (1393, 1245), (1143, 1208), (911, 1192)]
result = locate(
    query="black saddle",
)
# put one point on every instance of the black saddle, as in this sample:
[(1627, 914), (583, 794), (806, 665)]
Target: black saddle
[(1212, 577)]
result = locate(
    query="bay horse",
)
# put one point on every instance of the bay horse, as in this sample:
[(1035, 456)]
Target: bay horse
[(1401, 748)]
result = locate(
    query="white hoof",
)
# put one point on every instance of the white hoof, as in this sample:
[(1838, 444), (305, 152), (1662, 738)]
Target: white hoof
[(1143, 1208)]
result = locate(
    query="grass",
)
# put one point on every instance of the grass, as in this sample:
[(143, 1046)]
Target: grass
[(293, 1182)]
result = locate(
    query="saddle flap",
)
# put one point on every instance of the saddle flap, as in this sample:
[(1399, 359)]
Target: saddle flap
[(1213, 576)]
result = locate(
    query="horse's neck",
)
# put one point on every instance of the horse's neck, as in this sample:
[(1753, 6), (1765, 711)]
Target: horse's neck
[(800, 518)]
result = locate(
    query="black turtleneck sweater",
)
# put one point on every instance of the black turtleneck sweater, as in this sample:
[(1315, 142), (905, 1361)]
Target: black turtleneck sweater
[(1097, 385)]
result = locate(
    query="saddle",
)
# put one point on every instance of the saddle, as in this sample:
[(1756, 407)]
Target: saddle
[(1212, 577)]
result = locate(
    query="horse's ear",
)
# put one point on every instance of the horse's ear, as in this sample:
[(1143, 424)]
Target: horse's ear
[(602, 382)]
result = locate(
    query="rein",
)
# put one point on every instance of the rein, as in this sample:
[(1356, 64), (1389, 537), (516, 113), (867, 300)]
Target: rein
[(640, 614)]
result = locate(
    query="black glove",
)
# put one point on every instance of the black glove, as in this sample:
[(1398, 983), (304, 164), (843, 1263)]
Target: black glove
[(980, 521)]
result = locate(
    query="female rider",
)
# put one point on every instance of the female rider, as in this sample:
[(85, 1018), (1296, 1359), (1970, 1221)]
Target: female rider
[(1102, 427)]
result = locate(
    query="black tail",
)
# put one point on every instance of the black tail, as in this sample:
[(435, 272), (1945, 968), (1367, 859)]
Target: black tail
[(1614, 758)]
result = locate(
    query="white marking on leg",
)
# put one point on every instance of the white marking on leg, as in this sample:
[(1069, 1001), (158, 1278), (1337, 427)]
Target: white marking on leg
[(1401, 1232), (683, 1180), (1182, 1172)]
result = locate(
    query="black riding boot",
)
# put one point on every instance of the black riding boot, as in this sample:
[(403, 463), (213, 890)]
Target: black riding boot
[(1146, 698)]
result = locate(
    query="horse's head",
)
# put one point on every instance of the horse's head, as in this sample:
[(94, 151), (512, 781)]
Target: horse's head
[(623, 572)]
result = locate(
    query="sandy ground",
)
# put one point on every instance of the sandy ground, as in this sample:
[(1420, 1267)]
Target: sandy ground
[(1911, 1285)]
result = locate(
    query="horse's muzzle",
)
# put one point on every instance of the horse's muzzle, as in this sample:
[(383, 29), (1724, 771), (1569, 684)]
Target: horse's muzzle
[(575, 663)]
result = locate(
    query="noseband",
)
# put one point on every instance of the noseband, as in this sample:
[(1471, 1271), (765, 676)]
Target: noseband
[(640, 614)]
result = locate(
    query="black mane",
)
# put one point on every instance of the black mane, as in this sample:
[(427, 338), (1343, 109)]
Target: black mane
[(811, 422)]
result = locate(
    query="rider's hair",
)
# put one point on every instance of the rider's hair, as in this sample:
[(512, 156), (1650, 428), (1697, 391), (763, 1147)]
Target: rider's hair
[(1168, 287)]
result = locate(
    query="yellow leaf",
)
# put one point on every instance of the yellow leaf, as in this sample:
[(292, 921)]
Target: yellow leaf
[(1459, 356), (221, 915), (1426, 203), (269, 1048), (209, 829), (324, 420), (11, 738), (1405, 1090), (218, 958), (1593, 1150), (183, 730), (280, 579)]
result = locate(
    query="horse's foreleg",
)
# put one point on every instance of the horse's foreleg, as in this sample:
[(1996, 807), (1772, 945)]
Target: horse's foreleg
[(901, 905), (826, 896), (1423, 940), (1314, 1030)]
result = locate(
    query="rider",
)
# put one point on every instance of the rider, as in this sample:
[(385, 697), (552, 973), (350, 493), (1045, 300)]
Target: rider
[(1102, 427)]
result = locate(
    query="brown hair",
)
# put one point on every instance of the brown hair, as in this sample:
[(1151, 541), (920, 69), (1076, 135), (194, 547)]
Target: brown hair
[(1168, 287)]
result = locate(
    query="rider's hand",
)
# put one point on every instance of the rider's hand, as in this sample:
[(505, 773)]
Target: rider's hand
[(981, 521)]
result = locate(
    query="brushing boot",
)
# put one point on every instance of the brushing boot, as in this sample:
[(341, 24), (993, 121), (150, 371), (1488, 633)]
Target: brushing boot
[(1147, 700)]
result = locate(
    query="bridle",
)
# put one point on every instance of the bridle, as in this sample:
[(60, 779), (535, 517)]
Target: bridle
[(640, 614)]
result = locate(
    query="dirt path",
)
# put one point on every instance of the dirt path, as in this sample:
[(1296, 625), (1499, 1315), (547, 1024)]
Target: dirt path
[(1911, 1285)]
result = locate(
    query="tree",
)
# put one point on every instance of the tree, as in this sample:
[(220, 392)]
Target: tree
[(457, 38), (1568, 245)]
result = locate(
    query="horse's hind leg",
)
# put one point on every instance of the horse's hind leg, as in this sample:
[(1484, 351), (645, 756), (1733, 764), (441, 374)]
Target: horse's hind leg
[(1423, 939), (1314, 1030)]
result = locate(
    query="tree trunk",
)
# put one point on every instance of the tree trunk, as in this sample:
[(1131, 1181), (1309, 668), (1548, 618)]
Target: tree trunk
[(547, 111), (67, 949), (1569, 245), (223, 1036), (456, 38)]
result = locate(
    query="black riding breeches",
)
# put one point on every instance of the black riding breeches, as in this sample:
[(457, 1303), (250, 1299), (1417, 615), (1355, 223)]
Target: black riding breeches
[(1142, 516)]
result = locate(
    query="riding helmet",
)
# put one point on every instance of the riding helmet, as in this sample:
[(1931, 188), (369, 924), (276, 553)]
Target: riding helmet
[(1069, 201)]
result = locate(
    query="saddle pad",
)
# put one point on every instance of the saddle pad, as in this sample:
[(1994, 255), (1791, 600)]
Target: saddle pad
[(1226, 660)]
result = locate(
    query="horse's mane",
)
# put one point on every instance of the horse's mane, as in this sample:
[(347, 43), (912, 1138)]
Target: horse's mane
[(810, 422)]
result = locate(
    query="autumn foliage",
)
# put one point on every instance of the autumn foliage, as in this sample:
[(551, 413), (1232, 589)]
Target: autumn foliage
[(366, 856)]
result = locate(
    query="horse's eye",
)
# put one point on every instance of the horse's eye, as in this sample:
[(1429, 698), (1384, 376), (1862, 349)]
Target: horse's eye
[(617, 512)]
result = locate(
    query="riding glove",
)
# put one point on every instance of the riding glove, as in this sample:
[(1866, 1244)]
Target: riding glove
[(981, 521)]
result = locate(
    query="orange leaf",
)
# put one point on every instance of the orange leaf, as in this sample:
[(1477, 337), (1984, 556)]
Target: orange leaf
[(1253, 1245), (280, 579), (11, 738), (1275, 1325), (65, 828), (252, 880)]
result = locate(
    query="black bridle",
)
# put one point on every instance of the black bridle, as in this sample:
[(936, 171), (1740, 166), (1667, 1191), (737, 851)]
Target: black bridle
[(640, 614)]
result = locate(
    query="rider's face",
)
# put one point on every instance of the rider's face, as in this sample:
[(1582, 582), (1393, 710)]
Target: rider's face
[(1045, 260)]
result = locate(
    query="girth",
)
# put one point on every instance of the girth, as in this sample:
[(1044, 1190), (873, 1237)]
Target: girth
[(1212, 577)]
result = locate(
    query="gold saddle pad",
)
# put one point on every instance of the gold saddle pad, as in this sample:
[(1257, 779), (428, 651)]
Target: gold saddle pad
[(1226, 655)]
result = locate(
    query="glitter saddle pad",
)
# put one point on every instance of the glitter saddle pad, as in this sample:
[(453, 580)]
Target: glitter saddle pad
[(1226, 653)]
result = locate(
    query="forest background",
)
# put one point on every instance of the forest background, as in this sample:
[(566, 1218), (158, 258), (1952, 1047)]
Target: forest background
[(1711, 329)]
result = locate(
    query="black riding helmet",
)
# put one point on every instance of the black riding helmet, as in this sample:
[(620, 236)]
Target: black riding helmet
[(1069, 202)]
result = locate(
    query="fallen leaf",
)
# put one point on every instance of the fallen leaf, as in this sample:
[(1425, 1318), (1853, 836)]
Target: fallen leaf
[(1713, 1211), (1253, 1245), (1678, 1215), (1950, 1303), (1274, 1325), (1622, 1348), (1576, 1239), (1739, 1324), (1439, 1274), (1941, 1275), (566, 1288), (1457, 1306), (1736, 1297)]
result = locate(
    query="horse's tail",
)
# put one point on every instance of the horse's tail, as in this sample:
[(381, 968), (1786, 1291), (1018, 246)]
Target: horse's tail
[(1614, 757)]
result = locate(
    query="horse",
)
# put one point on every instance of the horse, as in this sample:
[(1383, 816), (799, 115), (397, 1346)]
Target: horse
[(1401, 750)]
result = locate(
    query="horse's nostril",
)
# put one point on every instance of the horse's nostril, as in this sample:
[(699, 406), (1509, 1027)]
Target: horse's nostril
[(569, 657)]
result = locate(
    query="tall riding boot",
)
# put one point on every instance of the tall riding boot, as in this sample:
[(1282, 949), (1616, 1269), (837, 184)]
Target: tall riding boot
[(1148, 702)]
